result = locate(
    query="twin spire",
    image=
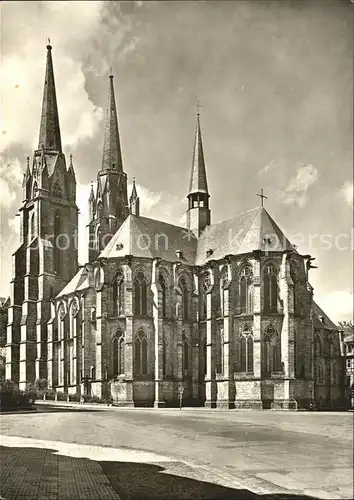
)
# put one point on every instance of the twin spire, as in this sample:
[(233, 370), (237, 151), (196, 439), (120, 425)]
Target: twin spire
[(49, 131), (50, 138), (112, 156)]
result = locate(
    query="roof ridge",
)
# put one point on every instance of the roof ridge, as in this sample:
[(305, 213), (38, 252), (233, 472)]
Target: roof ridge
[(233, 216), (160, 221)]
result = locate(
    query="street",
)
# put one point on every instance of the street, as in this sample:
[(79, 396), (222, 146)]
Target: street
[(240, 453)]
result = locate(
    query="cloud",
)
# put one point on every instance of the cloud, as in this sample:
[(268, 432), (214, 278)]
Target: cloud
[(148, 199), (11, 176), (337, 304), (14, 225), (296, 191), (346, 192), (271, 165), (23, 69)]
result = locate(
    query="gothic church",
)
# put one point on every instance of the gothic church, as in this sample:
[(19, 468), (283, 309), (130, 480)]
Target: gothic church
[(224, 310)]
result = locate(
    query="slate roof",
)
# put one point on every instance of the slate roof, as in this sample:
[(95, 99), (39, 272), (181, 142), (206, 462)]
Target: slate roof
[(79, 282), (349, 339), (243, 233), (327, 324), (149, 238), (5, 301)]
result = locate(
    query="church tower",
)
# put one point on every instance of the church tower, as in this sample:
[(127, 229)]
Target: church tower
[(47, 256), (109, 207), (198, 213)]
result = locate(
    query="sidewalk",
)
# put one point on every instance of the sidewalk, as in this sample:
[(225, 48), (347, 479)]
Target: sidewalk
[(52, 470)]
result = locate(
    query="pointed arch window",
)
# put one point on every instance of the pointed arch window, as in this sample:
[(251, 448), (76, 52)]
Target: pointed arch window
[(163, 295), (57, 191), (334, 372), (294, 278), (185, 355), (185, 299), (140, 353), (272, 350), (318, 347), (57, 249), (140, 294), (203, 353), (118, 351), (32, 227), (270, 289), (220, 350), (118, 294), (99, 210), (98, 239), (246, 290), (203, 296), (246, 350), (35, 189), (164, 357), (321, 377), (331, 349), (223, 284)]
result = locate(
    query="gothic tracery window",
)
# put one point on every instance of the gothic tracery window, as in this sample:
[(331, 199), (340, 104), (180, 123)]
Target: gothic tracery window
[(272, 350), (118, 347), (98, 239), (185, 355), (118, 293), (140, 353), (32, 227), (185, 299), (294, 278), (163, 295), (246, 350), (246, 290), (318, 347), (56, 243), (220, 350), (270, 289), (204, 297), (35, 189), (223, 283), (140, 294), (57, 191), (164, 357)]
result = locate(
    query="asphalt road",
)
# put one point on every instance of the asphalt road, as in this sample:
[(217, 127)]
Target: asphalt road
[(264, 452)]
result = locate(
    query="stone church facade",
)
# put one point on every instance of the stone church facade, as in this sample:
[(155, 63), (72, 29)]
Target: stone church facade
[(224, 310)]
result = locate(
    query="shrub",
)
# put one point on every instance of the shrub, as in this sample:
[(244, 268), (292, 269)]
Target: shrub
[(12, 397), (50, 395), (74, 397), (61, 396)]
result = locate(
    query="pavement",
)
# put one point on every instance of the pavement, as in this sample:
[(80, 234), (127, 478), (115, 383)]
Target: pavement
[(61, 452)]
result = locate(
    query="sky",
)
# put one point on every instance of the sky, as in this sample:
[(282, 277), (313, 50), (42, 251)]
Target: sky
[(275, 85)]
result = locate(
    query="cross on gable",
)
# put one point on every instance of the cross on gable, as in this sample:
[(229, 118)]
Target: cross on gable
[(262, 197)]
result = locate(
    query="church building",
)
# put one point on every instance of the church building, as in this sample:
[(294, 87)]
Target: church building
[(223, 311)]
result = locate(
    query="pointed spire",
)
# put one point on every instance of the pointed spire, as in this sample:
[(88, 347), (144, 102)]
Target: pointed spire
[(71, 166), (28, 170), (112, 157), (92, 194), (49, 132), (134, 194), (134, 202), (198, 182)]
